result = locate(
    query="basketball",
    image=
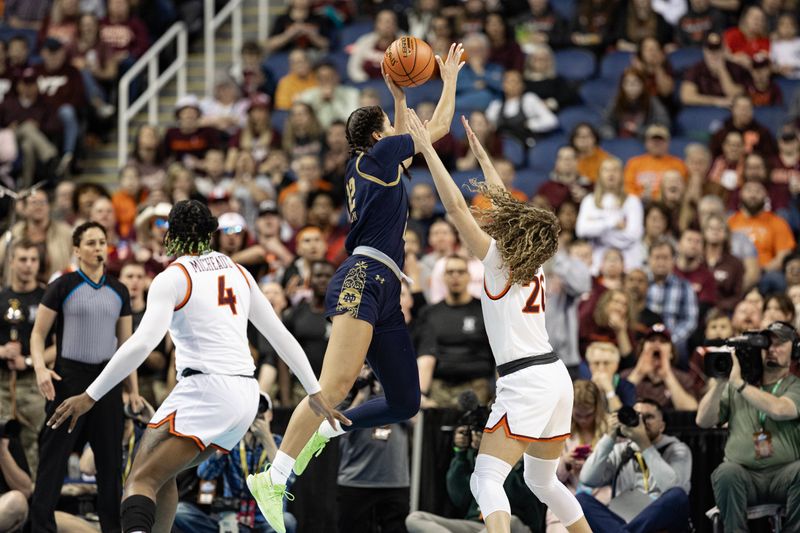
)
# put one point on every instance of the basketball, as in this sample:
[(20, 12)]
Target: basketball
[(409, 61)]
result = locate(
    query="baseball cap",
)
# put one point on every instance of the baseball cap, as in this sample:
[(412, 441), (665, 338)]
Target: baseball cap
[(232, 223), (656, 131), (259, 101), (219, 194), (658, 330), (760, 60), (267, 207), (713, 41), (52, 44), (781, 331), (189, 100)]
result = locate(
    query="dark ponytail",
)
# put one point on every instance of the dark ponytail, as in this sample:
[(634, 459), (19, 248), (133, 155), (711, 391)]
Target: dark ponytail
[(190, 227), (361, 124)]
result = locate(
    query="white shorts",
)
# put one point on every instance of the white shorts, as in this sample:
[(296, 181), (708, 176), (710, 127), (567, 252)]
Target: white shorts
[(533, 404), (211, 410)]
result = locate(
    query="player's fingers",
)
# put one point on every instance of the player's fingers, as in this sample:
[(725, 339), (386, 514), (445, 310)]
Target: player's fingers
[(343, 419), (439, 62), (73, 421), (55, 376)]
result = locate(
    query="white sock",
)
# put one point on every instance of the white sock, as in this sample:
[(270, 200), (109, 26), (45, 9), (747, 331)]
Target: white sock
[(281, 468), (326, 430)]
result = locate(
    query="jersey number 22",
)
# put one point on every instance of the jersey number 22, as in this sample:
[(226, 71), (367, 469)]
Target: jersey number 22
[(226, 296)]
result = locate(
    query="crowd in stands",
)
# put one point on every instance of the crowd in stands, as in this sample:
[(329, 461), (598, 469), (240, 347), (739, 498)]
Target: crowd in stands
[(665, 135)]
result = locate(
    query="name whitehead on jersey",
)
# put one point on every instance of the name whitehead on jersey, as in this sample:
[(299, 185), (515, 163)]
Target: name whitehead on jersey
[(208, 264)]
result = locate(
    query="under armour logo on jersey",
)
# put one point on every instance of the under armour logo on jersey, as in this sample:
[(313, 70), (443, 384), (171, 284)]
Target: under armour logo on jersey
[(379, 279), (469, 325)]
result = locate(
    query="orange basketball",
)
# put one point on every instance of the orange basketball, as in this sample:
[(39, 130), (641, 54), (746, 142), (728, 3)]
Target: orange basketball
[(409, 61)]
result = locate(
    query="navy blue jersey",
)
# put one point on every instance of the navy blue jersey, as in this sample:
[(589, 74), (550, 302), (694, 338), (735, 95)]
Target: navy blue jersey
[(376, 199)]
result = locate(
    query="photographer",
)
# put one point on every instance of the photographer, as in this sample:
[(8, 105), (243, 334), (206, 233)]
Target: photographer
[(236, 510), (650, 474), (16, 485), (762, 460)]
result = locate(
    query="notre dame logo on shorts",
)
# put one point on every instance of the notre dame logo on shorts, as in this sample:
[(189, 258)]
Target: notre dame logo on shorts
[(352, 288)]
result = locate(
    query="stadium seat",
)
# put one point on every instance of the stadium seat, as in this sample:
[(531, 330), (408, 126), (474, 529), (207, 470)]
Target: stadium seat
[(575, 64), (543, 154), (614, 64), (278, 64), (352, 32), (773, 117), (788, 88), (699, 122), (428, 92), (683, 58), (623, 148), (514, 151), (572, 116), (677, 146), (340, 59), (456, 127), (565, 8), (529, 180), (598, 93), (387, 102)]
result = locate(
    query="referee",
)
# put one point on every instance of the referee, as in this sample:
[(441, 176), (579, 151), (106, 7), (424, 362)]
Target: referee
[(92, 314)]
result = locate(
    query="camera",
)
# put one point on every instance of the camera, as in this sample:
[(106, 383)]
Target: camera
[(628, 417), (9, 429), (718, 361), (474, 415)]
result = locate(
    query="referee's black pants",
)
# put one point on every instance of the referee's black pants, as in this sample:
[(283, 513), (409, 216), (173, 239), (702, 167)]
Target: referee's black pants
[(103, 426)]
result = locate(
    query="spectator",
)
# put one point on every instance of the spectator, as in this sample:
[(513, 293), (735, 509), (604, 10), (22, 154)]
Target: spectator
[(691, 266), (636, 285), (588, 426), (258, 446), (777, 308), (301, 77), (300, 28), (698, 22), (62, 22), (643, 173), (542, 79), (633, 110), (670, 296), (323, 214), (420, 18), (422, 211), (586, 141), (610, 277), (16, 485), (659, 80), (224, 111), (148, 157), (26, 14), (6, 81), (746, 317), (715, 80), (636, 22), (541, 24), (232, 236), (757, 138), (96, 63), (762, 89), (454, 352), (310, 245), (51, 237), (671, 11), (373, 481), (335, 158), (180, 184), (302, 135), (268, 256), (593, 24), (252, 76), (770, 233), (568, 279), (504, 48), (755, 168), (698, 162), (749, 38), (611, 218), (657, 499), (567, 217), (151, 228), (609, 322), (448, 147), (96, 309), (189, 141), (784, 178), (728, 168), (18, 55), (119, 250), (603, 360), (505, 169), (309, 179), (330, 100), (487, 136), (522, 115), (124, 33), (728, 270), (676, 200), (759, 416), (480, 81), (256, 136), (367, 52), (785, 47), (565, 182)]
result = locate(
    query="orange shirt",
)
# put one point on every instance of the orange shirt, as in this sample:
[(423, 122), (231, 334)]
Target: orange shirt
[(481, 202), (125, 212), (290, 86), (643, 174), (319, 185), (769, 232), (589, 165)]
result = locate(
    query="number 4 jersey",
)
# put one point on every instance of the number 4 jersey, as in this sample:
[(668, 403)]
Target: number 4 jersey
[(514, 314), (209, 326)]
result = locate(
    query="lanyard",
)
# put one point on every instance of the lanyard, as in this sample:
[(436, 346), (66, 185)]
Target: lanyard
[(243, 459), (762, 417), (645, 471), (129, 463)]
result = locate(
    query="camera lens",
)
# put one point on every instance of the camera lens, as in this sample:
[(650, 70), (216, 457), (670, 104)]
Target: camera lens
[(628, 417)]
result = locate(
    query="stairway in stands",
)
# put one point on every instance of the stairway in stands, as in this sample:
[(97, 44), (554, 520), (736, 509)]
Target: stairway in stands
[(100, 164)]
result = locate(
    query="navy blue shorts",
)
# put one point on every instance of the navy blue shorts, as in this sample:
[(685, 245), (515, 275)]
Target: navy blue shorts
[(367, 290)]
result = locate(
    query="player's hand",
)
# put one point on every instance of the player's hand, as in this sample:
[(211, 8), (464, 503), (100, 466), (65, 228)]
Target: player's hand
[(136, 402), (44, 380), (418, 131), (396, 90), (71, 409), (450, 67), (322, 408), (474, 144)]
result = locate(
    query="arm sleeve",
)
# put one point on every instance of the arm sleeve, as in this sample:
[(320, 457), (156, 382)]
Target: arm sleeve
[(264, 318), (393, 150), (165, 293), (601, 464)]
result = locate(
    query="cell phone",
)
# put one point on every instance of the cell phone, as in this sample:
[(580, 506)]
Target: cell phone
[(582, 452)]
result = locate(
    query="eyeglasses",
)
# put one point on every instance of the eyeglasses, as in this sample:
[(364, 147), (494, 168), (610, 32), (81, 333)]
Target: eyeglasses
[(161, 223), (232, 230)]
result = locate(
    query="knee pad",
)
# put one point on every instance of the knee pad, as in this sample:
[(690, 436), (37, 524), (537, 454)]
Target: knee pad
[(486, 484), (540, 477)]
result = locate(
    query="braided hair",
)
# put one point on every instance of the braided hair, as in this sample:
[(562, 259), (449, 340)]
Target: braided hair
[(361, 124), (191, 225)]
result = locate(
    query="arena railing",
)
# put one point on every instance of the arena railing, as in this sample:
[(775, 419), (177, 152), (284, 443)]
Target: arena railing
[(178, 35)]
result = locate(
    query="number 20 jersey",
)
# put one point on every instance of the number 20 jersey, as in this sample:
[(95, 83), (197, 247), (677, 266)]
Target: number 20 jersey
[(209, 327), (513, 314)]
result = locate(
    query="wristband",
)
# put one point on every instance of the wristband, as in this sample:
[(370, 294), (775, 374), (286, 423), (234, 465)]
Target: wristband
[(740, 389), (610, 394)]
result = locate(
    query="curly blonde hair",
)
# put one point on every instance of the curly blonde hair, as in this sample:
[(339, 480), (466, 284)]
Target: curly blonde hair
[(526, 236)]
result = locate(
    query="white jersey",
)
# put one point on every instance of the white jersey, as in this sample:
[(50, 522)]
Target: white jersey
[(513, 314), (209, 326)]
